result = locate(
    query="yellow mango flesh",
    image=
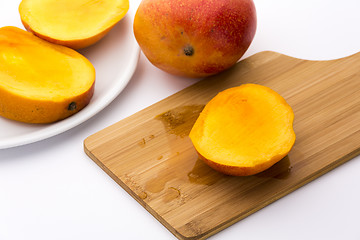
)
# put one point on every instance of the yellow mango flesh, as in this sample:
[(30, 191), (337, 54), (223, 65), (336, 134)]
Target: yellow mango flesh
[(244, 130), (34, 73), (75, 24)]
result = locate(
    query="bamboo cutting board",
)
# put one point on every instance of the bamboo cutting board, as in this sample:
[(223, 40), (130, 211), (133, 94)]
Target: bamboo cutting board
[(150, 155)]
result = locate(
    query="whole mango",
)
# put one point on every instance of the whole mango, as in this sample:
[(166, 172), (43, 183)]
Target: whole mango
[(194, 38)]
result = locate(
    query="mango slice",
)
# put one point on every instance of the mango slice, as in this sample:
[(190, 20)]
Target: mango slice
[(72, 23), (41, 82), (244, 130)]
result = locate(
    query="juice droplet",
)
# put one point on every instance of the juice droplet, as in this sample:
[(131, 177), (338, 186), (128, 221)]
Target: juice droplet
[(171, 194), (142, 195), (142, 142)]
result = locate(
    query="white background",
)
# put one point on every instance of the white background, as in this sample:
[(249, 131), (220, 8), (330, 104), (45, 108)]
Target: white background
[(52, 190)]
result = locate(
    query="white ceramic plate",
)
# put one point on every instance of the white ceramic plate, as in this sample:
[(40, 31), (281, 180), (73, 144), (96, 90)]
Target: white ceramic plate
[(115, 58)]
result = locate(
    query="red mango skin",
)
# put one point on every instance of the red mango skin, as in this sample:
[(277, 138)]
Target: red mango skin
[(194, 38)]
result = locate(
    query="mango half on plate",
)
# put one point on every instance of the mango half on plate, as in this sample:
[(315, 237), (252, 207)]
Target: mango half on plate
[(41, 82), (72, 23), (244, 130)]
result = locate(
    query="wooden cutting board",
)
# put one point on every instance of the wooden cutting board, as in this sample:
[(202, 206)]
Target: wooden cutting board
[(150, 155)]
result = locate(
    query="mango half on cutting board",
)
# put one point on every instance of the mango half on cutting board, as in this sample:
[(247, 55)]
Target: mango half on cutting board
[(41, 82), (244, 130), (72, 23)]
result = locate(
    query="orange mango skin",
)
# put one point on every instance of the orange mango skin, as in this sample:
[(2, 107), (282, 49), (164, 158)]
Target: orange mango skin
[(219, 31), (254, 111), (241, 170), (29, 109)]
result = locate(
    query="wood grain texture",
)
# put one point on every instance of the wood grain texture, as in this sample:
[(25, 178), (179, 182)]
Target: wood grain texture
[(150, 155)]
